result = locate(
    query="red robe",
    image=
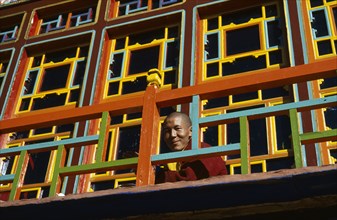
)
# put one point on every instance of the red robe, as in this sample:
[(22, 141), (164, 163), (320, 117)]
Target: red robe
[(194, 170)]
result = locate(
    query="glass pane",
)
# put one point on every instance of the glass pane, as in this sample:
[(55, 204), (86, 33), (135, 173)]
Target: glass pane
[(172, 54), (275, 57), (258, 137), (116, 65), (143, 60), (211, 135), (242, 16), (274, 33), (244, 64), (137, 85), (314, 3), (243, 40), (30, 82), (128, 142), (245, 96), (271, 11), (212, 23), (55, 78), (212, 69), (59, 56), (212, 46), (329, 82), (331, 117), (147, 37), (283, 132), (37, 167), (50, 100), (319, 23), (324, 47)]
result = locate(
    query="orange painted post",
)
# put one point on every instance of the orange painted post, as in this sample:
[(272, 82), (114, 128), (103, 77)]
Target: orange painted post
[(149, 131)]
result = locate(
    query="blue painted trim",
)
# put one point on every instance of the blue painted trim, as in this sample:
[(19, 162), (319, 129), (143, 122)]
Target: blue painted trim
[(198, 152), (272, 109), (195, 125), (301, 24), (289, 33), (8, 177), (49, 144), (4, 79)]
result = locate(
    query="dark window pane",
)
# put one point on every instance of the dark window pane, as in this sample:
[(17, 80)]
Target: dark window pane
[(128, 141), (242, 16), (172, 54), (324, 47), (243, 40), (43, 130), (50, 100), (113, 88), (37, 61), (280, 163), (173, 32), (79, 73), (258, 137), (212, 23), (256, 168), (217, 102), (274, 33), (139, 84), (143, 60), (170, 77), (314, 3), (30, 82), (131, 116), (60, 55), (55, 78), (274, 92), (319, 23), (147, 37), (271, 11), (37, 167), (74, 95), (97, 186), (64, 128), (275, 57), (283, 132), (84, 51), (120, 43), (29, 195), (334, 11), (329, 82), (212, 69), (211, 135), (245, 96), (116, 65), (24, 104), (212, 46), (244, 64), (331, 117)]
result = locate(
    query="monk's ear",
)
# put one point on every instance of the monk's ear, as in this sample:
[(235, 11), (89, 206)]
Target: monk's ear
[(190, 131)]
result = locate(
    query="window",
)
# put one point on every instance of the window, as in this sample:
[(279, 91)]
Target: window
[(134, 55), (323, 24), (50, 19), (127, 7), (37, 173), (53, 79), (9, 28), (244, 40), (269, 138)]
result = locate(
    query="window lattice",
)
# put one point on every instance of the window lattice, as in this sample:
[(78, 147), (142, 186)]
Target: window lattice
[(133, 56), (127, 7), (323, 20), (242, 41), (53, 79)]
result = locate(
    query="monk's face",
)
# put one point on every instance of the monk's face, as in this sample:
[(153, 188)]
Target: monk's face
[(177, 133)]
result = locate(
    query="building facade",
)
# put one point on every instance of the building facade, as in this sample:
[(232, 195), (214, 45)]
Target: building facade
[(85, 85)]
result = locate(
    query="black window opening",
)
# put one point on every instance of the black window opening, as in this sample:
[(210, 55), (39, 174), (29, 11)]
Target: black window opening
[(243, 40), (143, 60), (55, 78)]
